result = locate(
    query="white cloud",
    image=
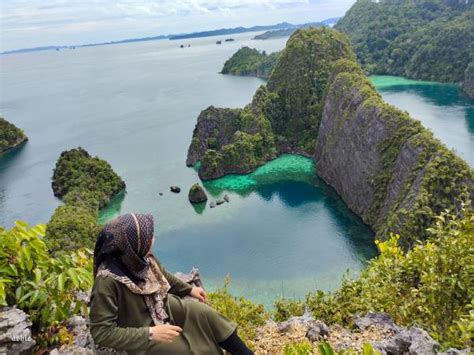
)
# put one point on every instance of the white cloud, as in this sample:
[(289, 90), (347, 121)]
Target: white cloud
[(29, 23)]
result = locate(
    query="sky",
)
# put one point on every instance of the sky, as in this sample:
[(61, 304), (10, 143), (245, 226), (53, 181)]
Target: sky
[(35, 23)]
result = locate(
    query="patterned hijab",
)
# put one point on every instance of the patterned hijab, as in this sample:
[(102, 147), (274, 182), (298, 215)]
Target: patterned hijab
[(122, 251)]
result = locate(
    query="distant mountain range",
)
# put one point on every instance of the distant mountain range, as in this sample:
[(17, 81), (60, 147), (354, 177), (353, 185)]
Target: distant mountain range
[(219, 32)]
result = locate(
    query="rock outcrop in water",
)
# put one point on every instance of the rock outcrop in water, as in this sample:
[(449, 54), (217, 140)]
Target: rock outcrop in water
[(386, 166), (10, 135), (196, 194), (283, 116)]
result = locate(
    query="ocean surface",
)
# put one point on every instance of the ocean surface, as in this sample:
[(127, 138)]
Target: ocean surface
[(284, 232)]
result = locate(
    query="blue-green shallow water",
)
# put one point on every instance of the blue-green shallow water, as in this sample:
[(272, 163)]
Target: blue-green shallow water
[(135, 105), (440, 107)]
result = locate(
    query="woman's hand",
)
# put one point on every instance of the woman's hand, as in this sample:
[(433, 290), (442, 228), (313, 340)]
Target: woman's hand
[(165, 332), (199, 293)]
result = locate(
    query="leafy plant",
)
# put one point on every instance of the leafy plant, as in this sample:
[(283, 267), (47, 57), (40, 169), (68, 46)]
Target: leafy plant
[(245, 313), (430, 285), (301, 348), (43, 286)]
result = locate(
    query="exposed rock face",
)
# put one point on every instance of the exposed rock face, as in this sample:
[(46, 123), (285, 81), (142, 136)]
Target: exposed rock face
[(197, 194), (10, 135), (377, 329), (15, 332), (468, 82), (283, 116), (382, 163), (214, 129)]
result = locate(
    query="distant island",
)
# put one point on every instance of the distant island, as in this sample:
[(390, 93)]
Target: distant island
[(286, 32), (218, 32), (250, 62), (10, 135), (228, 31)]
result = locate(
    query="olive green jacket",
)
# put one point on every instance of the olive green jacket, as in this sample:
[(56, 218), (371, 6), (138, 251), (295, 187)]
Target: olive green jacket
[(120, 319)]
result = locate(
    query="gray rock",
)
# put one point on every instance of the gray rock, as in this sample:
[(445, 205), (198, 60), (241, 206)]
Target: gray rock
[(175, 189), (15, 332), (226, 198), (196, 194), (306, 319), (422, 343), (160, 193), (219, 202), (212, 204), (317, 331), (380, 320)]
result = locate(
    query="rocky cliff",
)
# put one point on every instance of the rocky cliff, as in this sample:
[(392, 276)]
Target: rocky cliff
[(468, 82), (283, 116), (10, 135), (250, 62), (385, 165)]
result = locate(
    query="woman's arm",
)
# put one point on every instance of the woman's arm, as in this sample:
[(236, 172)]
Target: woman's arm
[(103, 320), (178, 287)]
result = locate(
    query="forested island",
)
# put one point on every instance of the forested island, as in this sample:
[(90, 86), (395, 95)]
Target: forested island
[(426, 40), (386, 166), (85, 184), (250, 62), (415, 194), (10, 135)]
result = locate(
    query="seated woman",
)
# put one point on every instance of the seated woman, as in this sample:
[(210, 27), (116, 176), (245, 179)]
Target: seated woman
[(137, 306)]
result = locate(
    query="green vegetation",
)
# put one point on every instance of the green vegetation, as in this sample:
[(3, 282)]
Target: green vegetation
[(442, 179), (306, 348), (283, 116), (77, 170), (298, 83), (10, 135), (250, 62), (430, 285), (43, 286), (72, 226), (418, 39), (86, 184), (246, 314)]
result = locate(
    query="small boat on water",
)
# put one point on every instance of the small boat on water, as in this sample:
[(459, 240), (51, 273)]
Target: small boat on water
[(219, 42), (230, 40)]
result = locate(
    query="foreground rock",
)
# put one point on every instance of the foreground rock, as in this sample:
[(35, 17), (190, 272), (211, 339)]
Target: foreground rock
[(15, 332), (197, 194), (175, 189), (10, 135), (377, 329)]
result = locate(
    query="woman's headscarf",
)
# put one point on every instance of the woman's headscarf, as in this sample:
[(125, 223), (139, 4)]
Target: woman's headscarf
[(122, 251)]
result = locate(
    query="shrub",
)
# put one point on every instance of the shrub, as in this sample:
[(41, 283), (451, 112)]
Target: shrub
[(246, 314), (71, 227), (430, 285), (42, 285), (286, 308)]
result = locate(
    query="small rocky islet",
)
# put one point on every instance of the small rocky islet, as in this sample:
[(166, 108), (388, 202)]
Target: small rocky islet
[(10, 136)]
